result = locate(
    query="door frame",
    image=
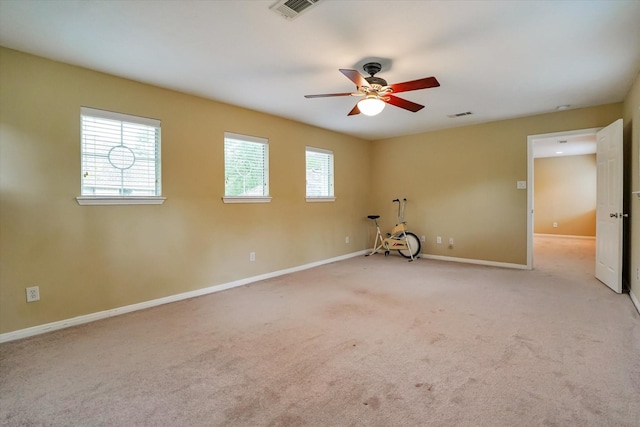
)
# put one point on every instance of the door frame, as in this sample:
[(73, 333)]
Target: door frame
[(531, 139)]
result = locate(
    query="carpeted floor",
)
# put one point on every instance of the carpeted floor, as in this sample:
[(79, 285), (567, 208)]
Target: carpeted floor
[(363, 342)]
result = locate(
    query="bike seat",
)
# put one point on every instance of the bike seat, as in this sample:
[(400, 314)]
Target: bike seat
[(373, 216)]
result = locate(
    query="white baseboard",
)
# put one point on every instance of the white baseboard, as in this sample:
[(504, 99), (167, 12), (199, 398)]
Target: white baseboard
[(467, 261), (92, 317), (635, 301), (475, 261), (565, 236)]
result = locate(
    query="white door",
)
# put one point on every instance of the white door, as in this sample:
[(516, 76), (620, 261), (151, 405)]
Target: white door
[(609, 206)]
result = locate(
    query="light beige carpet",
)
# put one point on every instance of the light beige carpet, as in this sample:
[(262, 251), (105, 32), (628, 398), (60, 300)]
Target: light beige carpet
[(364, 342)]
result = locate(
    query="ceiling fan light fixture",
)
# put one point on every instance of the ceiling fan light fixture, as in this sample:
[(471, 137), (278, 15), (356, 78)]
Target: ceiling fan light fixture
[(371, 106)]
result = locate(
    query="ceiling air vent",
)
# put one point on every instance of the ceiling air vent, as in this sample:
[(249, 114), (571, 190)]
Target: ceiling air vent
[(290, 9), (466, 113)]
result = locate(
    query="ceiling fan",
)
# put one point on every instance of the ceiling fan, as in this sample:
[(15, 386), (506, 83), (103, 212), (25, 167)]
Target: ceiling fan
[(377, 92)]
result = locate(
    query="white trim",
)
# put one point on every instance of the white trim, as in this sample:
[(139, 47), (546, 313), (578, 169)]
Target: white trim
[(635, 301), (238, 137), (475, 261), (75, 321), (115, 200), (565, 236), (319, 150), (530, 208), (121, 117), (246, 199), (321, 199)]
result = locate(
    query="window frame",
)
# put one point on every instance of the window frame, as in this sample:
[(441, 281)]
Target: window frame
[(121, 199), (266, 173), (325, 198)]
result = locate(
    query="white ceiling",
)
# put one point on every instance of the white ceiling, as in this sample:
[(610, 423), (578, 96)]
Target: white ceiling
[(497, 59), (565, 145)]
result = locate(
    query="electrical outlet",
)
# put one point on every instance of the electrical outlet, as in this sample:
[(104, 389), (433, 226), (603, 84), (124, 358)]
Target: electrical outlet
[(438, 240), (346, 239), (450, 241), (252, 256), (423, 238), (555, 225), (33, 294)]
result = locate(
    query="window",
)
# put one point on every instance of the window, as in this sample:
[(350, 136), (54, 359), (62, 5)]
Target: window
[(246, 169), (120, 158), (319, 175)]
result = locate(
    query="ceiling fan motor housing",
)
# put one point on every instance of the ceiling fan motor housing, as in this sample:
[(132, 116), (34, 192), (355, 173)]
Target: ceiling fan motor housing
[(372, 68), (376, 81)]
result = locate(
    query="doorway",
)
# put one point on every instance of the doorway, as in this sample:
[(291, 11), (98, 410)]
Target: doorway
[(560, 217)]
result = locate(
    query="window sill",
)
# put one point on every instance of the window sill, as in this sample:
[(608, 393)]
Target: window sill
[(246, 199), (114, 200), (321, 199)]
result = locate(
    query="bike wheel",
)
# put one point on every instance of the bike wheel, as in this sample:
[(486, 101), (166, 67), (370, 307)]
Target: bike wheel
[(414, 244)]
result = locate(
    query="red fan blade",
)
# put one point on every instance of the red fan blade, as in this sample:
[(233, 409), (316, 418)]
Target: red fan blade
[(403, 103), (354, 111), (325, 95), (415, 85), (355, 77)]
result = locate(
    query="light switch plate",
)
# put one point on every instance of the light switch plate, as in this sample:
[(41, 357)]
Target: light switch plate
[(521, 185)]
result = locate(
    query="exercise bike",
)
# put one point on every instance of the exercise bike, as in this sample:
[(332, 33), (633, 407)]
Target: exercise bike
[(406, 243)]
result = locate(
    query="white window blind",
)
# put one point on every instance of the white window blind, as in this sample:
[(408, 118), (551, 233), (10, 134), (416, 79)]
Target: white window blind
[(246, 166), (319, 173), (120, 154)]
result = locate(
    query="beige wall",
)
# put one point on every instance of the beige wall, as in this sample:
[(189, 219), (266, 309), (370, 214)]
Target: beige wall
[(461, 182), (92, 258), (565, 193), (632, 140)]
